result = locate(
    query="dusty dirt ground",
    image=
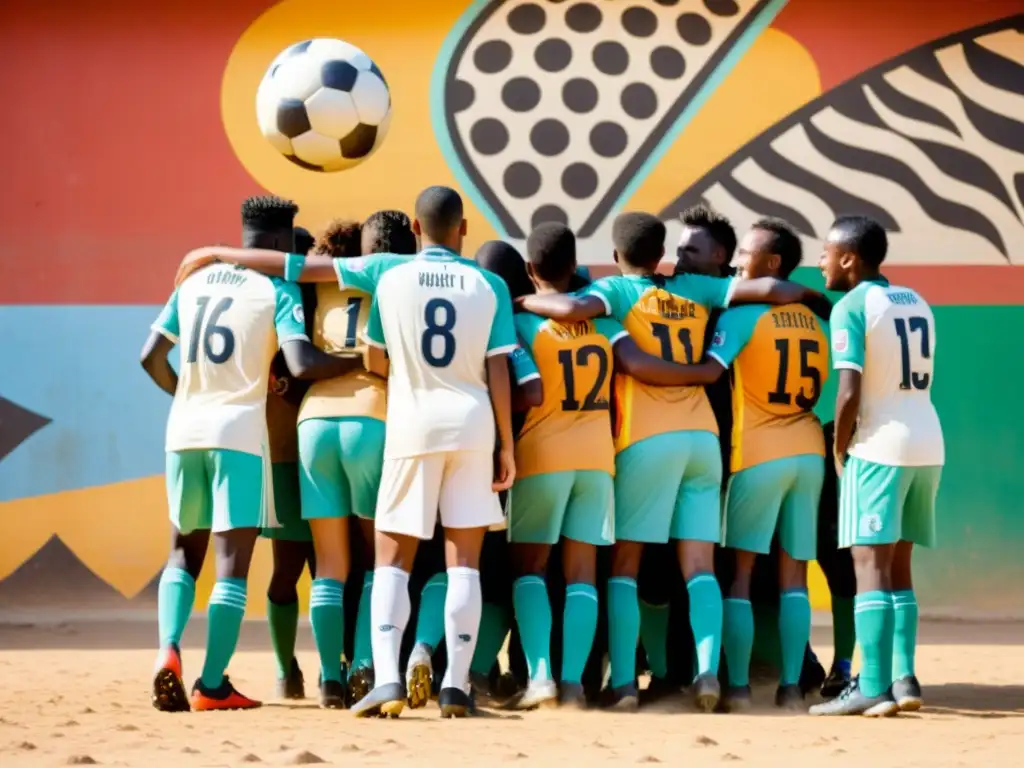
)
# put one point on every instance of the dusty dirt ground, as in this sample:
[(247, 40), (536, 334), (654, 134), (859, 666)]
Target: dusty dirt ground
[(77, 693)]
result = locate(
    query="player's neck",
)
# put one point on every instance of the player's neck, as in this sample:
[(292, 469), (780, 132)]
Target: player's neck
[(551, 288), (628, 270), (263, 240), (426, 242), (872, 276)]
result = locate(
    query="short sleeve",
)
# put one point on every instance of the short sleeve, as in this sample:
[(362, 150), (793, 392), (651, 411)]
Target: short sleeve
[(502, 340), (524, 369), (846, 326), (611, 329), (607, 290), (166, 323), (289, 315), (373, 334), (364, 272), (732, 332), (712, 292)]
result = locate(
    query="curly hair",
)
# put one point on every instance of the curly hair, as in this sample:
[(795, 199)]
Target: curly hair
[(339, 240)]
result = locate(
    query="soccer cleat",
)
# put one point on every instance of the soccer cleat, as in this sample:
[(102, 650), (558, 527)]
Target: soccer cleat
[(791, 698), (332, 694), (572, 696), (737, 699), (360, 683), (907, 692), (835, 683), (223, 697), (419, 676), (812, 674), (537, 694), (853, 702), (658, 688), (293, 686), (455, 702), (386, 700), (625, 698), (706, 692), (168, 689)]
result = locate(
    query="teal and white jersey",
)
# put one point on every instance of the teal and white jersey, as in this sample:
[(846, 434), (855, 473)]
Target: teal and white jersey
[(230, 322), (887, 332), (440, 317)]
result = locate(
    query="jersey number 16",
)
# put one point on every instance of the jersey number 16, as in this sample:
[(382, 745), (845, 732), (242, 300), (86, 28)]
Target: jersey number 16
[(208, 330)]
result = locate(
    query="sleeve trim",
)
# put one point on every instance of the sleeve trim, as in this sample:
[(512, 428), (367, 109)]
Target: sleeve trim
[(337, 273), (527, 377), (504, 350), (607, 304), (618, 337), (721, 362), (848, 365), (282, 340), (374, 342), (173, 338), (729, 292)]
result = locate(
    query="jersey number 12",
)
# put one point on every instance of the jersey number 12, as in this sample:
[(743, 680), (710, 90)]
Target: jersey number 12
[(208, 330)]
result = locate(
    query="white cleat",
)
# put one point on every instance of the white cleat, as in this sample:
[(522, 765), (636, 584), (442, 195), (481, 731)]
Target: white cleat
[(419, 676)]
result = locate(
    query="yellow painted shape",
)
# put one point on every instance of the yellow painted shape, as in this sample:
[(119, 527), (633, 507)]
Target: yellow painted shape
[(404, 42), (775, 77), (817, 588)]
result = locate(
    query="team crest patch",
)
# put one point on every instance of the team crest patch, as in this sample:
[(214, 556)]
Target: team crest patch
[(299, 314), (718, 340), (840, 340)]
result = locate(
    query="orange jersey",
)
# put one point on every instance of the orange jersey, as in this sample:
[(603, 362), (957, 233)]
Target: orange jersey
[(571, 428), (667, 318), (340, 317), (779, 357)]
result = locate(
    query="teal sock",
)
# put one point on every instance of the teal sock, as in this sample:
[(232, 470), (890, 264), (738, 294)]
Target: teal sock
[(579, 625), (738, 639), (430, 621), (362, 653), (224, 621), (327, 615), (654, 636), (844, 636), (794, 633), (284, 626), (490, 637), (904, 606), (174, 599), (706, 621), (623, 629), (767, 650), (873, 616), (533, 615)]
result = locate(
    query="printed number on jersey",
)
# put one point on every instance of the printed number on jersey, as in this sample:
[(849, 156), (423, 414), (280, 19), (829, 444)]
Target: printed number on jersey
[(588, 356), (664, 334), (352, 326), (786, 391), (217, 341), (910, 378), (438, 342)]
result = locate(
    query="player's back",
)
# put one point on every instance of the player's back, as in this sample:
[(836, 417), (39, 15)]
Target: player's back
[(897, 422), (437, 314), (571, 428)]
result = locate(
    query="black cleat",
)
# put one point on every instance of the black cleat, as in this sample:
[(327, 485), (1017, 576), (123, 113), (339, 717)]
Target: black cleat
[(572, 696), (292, 686), (907, 692), (835, 683), (169, 694), (455, 702), (360, 683), (737, 699), (386, 700), (853, 702), (625, 698), (791, 698), (812, 674), (658, 689), (706, 692), (332, 694)]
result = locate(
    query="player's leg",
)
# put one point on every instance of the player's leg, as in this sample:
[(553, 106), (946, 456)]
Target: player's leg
[(429, 570), (496, 617), (658, 584), (918, 528), (589, 524), (696, 525)]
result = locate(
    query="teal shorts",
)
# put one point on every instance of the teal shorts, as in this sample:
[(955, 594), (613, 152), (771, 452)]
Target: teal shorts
[(287, 507), (340, 462), (669, 486), (784, 494), (576, 504), (215, 489), (882, 504)]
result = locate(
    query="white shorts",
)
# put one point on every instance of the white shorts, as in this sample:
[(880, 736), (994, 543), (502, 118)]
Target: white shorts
[(456, 484)]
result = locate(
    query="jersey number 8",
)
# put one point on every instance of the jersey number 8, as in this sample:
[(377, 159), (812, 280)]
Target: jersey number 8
[(439, 319), (211, 329)]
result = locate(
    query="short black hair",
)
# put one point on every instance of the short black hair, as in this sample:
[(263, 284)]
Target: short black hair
[(639, 238), (504, 260), (551, 250), (863, 236), (715, 224), (340, 240), (268, 214), (439, 210), (303, 240), (390, 232), (784, 242)]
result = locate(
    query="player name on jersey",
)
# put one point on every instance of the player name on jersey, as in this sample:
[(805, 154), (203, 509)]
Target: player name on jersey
[(667, 307), (784, 319)]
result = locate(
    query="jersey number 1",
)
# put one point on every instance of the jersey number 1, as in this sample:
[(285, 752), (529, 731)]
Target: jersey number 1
[(439, 318), (210, 330), (910, 378)]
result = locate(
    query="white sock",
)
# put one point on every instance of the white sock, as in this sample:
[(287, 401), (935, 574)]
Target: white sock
[(389, 613), (462, 607)]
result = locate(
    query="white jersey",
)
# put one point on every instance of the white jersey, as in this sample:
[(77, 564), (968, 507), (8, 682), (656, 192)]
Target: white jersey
[(888, 333), (230, 322), (440, 317)]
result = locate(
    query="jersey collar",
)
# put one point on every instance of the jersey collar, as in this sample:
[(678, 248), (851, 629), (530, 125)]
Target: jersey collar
[(438, 253), (881, 280)]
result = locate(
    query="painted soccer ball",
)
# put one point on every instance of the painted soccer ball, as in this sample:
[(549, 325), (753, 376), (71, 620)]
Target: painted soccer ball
[(324, 105)]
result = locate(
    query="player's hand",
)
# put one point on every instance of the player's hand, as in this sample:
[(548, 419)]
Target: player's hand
[(504, 470), (840, 462), (193, 261)]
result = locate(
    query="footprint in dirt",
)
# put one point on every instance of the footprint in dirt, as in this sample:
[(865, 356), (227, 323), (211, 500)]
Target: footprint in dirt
[(81, 760), (251, 758), (304, 757), (126, 727)]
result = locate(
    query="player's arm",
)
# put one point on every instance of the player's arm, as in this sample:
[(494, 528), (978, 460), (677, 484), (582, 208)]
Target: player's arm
[(376, 348), (501, 343), (563, 307), (847, 330), (529, 391), (291, 266), (771, 290), (163, 337), (303, 360), (632, 360)]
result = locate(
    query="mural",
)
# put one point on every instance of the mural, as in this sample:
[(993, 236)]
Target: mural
[(143, 141)]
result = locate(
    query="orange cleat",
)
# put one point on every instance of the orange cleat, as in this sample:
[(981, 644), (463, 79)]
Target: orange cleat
[(223, 697), (168, 689)]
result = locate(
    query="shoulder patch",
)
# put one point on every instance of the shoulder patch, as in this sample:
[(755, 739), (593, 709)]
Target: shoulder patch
[(840, 340), (299, 314), (718, 340)]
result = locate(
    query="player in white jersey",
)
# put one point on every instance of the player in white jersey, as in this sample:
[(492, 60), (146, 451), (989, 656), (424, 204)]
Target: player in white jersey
[(230, 321), (889, 454)]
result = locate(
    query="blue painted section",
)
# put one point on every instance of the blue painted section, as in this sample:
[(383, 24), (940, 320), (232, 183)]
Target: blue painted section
[(79, 366)]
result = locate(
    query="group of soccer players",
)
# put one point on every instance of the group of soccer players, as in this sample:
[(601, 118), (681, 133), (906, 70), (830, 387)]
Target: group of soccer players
[(562, 432)]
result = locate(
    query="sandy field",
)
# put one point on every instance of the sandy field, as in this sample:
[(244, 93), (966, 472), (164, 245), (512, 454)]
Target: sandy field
[(77, 693)]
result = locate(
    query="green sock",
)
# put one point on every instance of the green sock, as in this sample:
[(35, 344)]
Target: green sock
[(224, 615), (579, 625), (430, 621), (844, 636), (654, 636), (533, 615), (489, 638), (794, 633), (327, 615), (874, 619), (175, 597), (706, 621), (284, 626), (362, 653), (738, 639), (904, 606), (766, 636), (623, 629)]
